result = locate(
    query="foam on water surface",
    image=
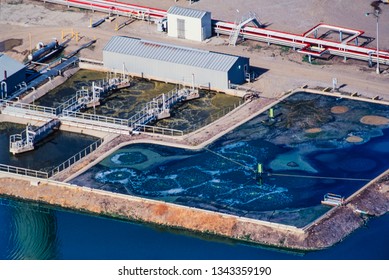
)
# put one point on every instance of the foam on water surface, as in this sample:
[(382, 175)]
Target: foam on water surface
[(299, 167)]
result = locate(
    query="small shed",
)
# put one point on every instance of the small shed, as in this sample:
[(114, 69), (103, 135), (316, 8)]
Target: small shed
[(12, 73), (191, 24)]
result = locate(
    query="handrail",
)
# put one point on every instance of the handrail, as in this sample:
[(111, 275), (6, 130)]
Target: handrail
[(24, 171), (73, 159), (30, 107), (92, 117), (158, 130)]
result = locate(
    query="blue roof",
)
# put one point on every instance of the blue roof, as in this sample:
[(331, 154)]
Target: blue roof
[(10, 65), (171, 53)]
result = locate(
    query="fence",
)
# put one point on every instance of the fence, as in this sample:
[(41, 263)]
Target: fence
[(92, 117), (91, 61), (30, 107), (159, 130), (55, 170), (69, 162), (24, 171)]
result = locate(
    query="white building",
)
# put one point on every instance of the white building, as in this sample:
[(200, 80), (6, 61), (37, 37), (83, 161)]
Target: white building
[(191, 24)]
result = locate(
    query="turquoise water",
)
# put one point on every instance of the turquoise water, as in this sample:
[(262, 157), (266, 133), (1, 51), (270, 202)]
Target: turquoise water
[(205, 179), (222, 177), (32, 232)]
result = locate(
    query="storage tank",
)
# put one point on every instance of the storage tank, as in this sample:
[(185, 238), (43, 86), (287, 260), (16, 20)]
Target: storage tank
[(43, 51)]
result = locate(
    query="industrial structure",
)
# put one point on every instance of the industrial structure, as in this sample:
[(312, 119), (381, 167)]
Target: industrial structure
[(12, 73), (175, 64), (310, 43), (191, 24)]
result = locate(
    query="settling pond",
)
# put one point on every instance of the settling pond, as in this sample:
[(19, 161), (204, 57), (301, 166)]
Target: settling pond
[(48, 153), (61, 145), (315, 145), (127, 102)]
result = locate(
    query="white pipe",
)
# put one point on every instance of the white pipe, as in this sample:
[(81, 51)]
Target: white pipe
[(193, 81), (3, 89)]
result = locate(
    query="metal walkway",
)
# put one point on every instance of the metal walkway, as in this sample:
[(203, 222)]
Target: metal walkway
[(87, 98), (68, 113), (24, 142), (156, 109), (44, 76), (250, 18), (313, 46), (20, 143), (160, 107)]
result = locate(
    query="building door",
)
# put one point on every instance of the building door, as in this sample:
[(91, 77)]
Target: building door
[(181, 28)]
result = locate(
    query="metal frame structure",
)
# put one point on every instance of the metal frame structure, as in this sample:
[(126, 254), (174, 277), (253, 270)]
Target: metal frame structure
[(306, 44)]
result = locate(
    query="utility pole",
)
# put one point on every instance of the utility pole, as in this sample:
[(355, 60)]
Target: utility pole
[(376, 14)]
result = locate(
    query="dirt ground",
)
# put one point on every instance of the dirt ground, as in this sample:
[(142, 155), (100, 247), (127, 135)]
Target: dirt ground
[(279, 69)]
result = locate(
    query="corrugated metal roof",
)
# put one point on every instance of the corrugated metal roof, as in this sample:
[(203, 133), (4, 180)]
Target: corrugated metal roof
[(171, 53), (10, 65), (186, 12)]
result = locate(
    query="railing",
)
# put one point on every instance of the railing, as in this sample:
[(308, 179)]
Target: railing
[(16, 140), (159, 130), (20, 142), (72, 160), (31, 107), (92, 117), (152, 110), (142, 118), (24, 171), (71, 102), (91, 61), (213, 117)]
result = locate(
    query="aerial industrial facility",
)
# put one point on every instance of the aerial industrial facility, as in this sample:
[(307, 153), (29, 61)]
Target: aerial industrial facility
[(175, 64), (13, 74), (197, 56), (191, 24)]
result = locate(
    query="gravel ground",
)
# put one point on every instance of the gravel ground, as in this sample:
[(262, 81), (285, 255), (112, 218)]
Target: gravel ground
[(42, 22)]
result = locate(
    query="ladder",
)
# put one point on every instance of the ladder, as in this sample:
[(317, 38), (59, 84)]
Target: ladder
[(235, 32)]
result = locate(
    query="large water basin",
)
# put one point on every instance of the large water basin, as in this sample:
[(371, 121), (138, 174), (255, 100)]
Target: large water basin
[(127, 102), (314, 145), (48, 153)]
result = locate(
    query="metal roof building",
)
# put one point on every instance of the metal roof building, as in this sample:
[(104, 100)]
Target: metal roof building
[(174, 63), (191, 24), (12, 73)]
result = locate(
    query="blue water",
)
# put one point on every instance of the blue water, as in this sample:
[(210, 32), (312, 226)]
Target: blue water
[(31, 232), (60, 145), (222, 177), (204, 179)]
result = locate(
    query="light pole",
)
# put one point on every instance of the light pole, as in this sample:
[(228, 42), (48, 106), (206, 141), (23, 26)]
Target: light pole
[(376, 14)]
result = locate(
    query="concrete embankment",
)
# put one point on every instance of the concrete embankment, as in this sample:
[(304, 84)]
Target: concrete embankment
[(151, 211), (324, 232), (50, 85), (335, 225)]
